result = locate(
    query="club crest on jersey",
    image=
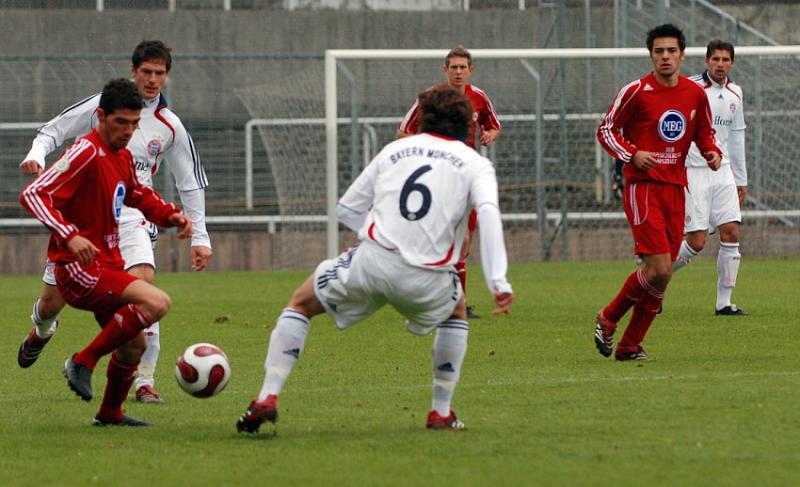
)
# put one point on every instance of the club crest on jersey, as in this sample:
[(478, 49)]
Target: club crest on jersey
[(733, 107), (154, 147), (61, 165), (119, 198), (671, 126)]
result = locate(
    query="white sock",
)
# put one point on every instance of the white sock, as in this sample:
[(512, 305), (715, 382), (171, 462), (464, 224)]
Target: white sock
[(685, 256), (285, 346), (45, 327), (147, 367), (449, 348), (727, 269)]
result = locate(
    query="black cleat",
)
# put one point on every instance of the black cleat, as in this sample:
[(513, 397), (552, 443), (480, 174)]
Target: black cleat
[(30, 348), (471, 314), (125, 421), (79, 378), (604, 335), (731, 310), (638, 354), (255, 416)]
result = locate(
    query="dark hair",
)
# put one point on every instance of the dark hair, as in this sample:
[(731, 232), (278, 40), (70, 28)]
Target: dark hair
[(666, 30), (151, 50), (445, 111), (120, 93), (458, 51), (718, 45)]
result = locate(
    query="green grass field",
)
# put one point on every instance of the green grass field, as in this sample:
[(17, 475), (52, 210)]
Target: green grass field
[(719, 404)]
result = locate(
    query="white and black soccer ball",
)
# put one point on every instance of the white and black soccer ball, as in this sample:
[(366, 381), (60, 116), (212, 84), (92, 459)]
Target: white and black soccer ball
[(203, 370)]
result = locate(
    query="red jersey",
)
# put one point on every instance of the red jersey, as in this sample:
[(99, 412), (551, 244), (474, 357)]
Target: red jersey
[(83, 193), (483, 114), (665, 120)]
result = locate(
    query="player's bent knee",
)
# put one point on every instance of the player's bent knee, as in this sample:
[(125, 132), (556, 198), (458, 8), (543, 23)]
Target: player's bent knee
[(132, 350)]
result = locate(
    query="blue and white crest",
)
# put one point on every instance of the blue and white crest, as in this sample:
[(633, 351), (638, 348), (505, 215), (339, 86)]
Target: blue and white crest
[(672, 126), (119, 198)]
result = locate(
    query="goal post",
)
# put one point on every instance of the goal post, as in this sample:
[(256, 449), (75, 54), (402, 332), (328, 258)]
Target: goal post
[(757, 88)]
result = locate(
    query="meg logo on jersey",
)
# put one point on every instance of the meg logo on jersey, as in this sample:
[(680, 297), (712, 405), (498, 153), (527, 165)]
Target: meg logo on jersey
[(119, 198), (671, 126)]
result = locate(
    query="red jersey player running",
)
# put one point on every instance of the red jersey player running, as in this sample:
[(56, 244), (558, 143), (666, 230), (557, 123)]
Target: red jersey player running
[(80, 199), (458, 68), (650, 126)]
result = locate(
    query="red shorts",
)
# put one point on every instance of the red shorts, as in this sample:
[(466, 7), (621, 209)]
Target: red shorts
[(92, 288), (656, 213)]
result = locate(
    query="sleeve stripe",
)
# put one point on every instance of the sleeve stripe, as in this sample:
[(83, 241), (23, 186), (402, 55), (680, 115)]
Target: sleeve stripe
[(607, 126), (493, 120), (72, 107), (199, 173), (410, 116)]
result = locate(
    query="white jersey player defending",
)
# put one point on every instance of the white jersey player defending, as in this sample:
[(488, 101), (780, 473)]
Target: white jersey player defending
[(410, 208), (713, 199), (159, 137)]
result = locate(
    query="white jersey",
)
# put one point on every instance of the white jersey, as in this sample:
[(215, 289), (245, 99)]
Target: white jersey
[(414, 199), (160, 136), (727, 110)]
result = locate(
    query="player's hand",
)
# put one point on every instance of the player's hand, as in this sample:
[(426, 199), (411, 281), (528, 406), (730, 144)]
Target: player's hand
[(489, 136), (83, 249), (200, 257), (644, 160), (713, 159), (183, 223), (742, 192), (503, 302), (31, 168)]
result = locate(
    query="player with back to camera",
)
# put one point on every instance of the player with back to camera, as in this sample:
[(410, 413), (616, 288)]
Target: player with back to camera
[(160, 137), (650, 126), (80, 200), (458, 69), (410, 207), (714, 199)]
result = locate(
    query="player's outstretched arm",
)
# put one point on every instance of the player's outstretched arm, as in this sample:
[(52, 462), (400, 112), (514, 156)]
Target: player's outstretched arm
[(30, 167), (493, 257)]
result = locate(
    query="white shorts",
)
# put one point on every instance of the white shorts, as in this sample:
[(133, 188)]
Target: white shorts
[(361, 280), (137, 239), (711, 199)]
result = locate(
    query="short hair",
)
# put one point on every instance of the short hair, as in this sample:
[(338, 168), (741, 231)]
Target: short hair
[(151, 50), (445, 111), (666, 30), (458, 51), (719, 45), (120, 93)]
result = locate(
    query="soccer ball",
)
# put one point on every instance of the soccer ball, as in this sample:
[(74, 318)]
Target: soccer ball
[(203, 370)]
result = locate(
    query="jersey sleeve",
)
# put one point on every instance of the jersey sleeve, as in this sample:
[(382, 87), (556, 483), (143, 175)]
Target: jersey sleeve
[(494, 261), (704, 131), (46, 195), (410, 123), (483, 188), (487, 118), (73, 122), (144, 198), (357, 200), (610, 134)]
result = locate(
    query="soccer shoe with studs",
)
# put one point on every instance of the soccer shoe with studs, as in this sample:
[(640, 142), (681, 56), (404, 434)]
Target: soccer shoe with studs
[(638, 354), (124, 421), (471, 314), (604, 335), (31, 347), (437, 422), (255, 415), (146, 394), (79, 378), (731, 310)]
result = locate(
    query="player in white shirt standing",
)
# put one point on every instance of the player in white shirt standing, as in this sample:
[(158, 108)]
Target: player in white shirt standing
[(410, 207), (713, 199), (159, 137)]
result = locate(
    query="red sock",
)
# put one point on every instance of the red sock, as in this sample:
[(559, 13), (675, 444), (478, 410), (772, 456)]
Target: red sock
[(644, 313), (126, 323), (632, 291), (120, 378), (461, 268)]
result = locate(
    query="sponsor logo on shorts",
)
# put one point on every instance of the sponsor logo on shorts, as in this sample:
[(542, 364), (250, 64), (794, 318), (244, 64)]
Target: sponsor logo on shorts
[(671, 126)]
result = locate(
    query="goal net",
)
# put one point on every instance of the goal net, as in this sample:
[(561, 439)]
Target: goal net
[(320, 127)]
